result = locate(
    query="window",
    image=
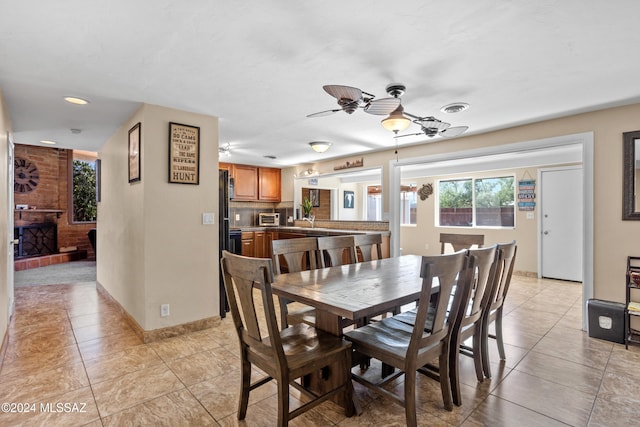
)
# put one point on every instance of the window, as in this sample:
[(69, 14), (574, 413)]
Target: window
[(84, 187), (482, 202), (408, 204)]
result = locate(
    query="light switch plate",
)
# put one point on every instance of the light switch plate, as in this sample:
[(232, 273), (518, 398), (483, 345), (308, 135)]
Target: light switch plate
[(530, 215), (207, 218)]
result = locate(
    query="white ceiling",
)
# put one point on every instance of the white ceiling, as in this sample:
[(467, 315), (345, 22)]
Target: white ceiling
[(260, 66)]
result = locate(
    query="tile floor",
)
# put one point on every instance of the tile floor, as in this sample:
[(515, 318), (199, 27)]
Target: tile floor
[(67, 345)]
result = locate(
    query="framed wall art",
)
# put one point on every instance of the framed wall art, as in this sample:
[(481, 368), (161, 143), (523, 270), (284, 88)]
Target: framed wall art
[(314, 196), (184, 154), (134, 153), (349, 198)]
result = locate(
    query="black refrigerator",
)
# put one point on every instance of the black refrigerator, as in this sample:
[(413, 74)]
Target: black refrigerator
[(224, 239)]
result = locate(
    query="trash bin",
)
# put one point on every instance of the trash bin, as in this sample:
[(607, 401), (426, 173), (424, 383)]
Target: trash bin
[(606, 320)]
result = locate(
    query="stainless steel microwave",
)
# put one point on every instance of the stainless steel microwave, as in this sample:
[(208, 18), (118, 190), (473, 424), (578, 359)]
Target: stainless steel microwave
[(269, 219)]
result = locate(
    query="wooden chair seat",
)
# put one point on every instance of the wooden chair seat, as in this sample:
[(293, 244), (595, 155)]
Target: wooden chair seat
[(408, 348), (298, 255), (493, 313), (284, 355), (460, 241), (368, 245)]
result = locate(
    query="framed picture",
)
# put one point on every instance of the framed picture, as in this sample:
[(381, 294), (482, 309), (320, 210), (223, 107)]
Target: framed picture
[(134, 153), (349, 199), (184, 154), (314, 196)]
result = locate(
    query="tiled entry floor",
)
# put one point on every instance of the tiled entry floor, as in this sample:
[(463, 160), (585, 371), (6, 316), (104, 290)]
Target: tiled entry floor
[(68, 345)]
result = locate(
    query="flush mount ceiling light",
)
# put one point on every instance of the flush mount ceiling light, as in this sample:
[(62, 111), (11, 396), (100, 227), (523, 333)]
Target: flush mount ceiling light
[(76, 100), (320, 146), (49, 142), (455, 107)]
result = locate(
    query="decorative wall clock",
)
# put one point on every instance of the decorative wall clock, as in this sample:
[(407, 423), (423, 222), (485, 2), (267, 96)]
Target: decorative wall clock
[(25, 176)]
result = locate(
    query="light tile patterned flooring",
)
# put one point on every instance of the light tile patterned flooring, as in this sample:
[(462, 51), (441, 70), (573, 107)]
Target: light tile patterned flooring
[(68, 345)]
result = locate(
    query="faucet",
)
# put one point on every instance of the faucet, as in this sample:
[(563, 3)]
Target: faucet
[(311, 219)]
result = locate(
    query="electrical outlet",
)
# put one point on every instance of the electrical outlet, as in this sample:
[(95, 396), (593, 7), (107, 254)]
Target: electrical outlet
[(237, 217), (426, 246), (164, 310)]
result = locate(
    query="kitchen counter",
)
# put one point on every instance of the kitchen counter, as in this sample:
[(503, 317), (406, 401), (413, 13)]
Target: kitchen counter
[(316, 231)]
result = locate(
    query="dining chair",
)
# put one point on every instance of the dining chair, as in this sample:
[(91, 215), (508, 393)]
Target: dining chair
[(298, 255), (410, 348), (366, 244), (460, 241), (285, 355), (493, 313), (336, 250), (470, 326)]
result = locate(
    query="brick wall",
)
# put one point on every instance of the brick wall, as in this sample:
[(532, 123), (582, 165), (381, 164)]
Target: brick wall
[(52, 192)]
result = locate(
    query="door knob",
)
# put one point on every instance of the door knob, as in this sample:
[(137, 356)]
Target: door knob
[(545, 233)]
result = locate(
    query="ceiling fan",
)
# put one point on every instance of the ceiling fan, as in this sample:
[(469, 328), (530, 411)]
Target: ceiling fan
[(430, 126), (351, 98)]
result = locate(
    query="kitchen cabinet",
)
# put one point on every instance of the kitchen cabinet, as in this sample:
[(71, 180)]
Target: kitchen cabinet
[(259, 244), (269, 188), (253, 183), (245, 182), (248, 246)]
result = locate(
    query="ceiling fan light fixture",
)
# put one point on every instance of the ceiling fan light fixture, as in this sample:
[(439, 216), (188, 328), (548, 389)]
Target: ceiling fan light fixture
[(320, 146), (396, 121)]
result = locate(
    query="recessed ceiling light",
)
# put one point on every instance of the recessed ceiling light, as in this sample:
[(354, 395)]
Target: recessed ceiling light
[(76, 100), (46, 141), (456, 107)]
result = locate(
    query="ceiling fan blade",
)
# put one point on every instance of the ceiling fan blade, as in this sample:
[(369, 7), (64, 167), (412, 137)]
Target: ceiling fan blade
[(382, 107), (409, 134), (324, 113), (454, 131), (343, 92)]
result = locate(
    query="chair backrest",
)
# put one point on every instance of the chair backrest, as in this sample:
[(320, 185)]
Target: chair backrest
[(452, 271), (366, 244), (460, 241), (335, 249), (486, 262), (241, 276), (503, 274), (299, 254)]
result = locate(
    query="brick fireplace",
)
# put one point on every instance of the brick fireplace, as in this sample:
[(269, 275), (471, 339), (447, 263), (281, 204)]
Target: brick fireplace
[(46, 223)]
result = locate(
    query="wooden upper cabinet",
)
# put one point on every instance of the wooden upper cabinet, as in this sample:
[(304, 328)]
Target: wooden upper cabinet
[(245, 182), (269, 184), (253, 183)]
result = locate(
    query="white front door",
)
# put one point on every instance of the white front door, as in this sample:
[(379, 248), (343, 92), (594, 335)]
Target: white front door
[(561, 223)]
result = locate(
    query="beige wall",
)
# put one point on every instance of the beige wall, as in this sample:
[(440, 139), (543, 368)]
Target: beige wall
[(152, 246), (414, 237), (6, 256), (614, 239)]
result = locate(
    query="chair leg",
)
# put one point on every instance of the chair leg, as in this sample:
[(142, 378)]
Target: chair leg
[(410, 397), (477, 356), (349, 408), (454, 374), (283, 402), (484, 348), (445, 382), (245, 385), (499, 334)]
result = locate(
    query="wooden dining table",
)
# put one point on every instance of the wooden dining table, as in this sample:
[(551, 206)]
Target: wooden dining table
[(354, 291)]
